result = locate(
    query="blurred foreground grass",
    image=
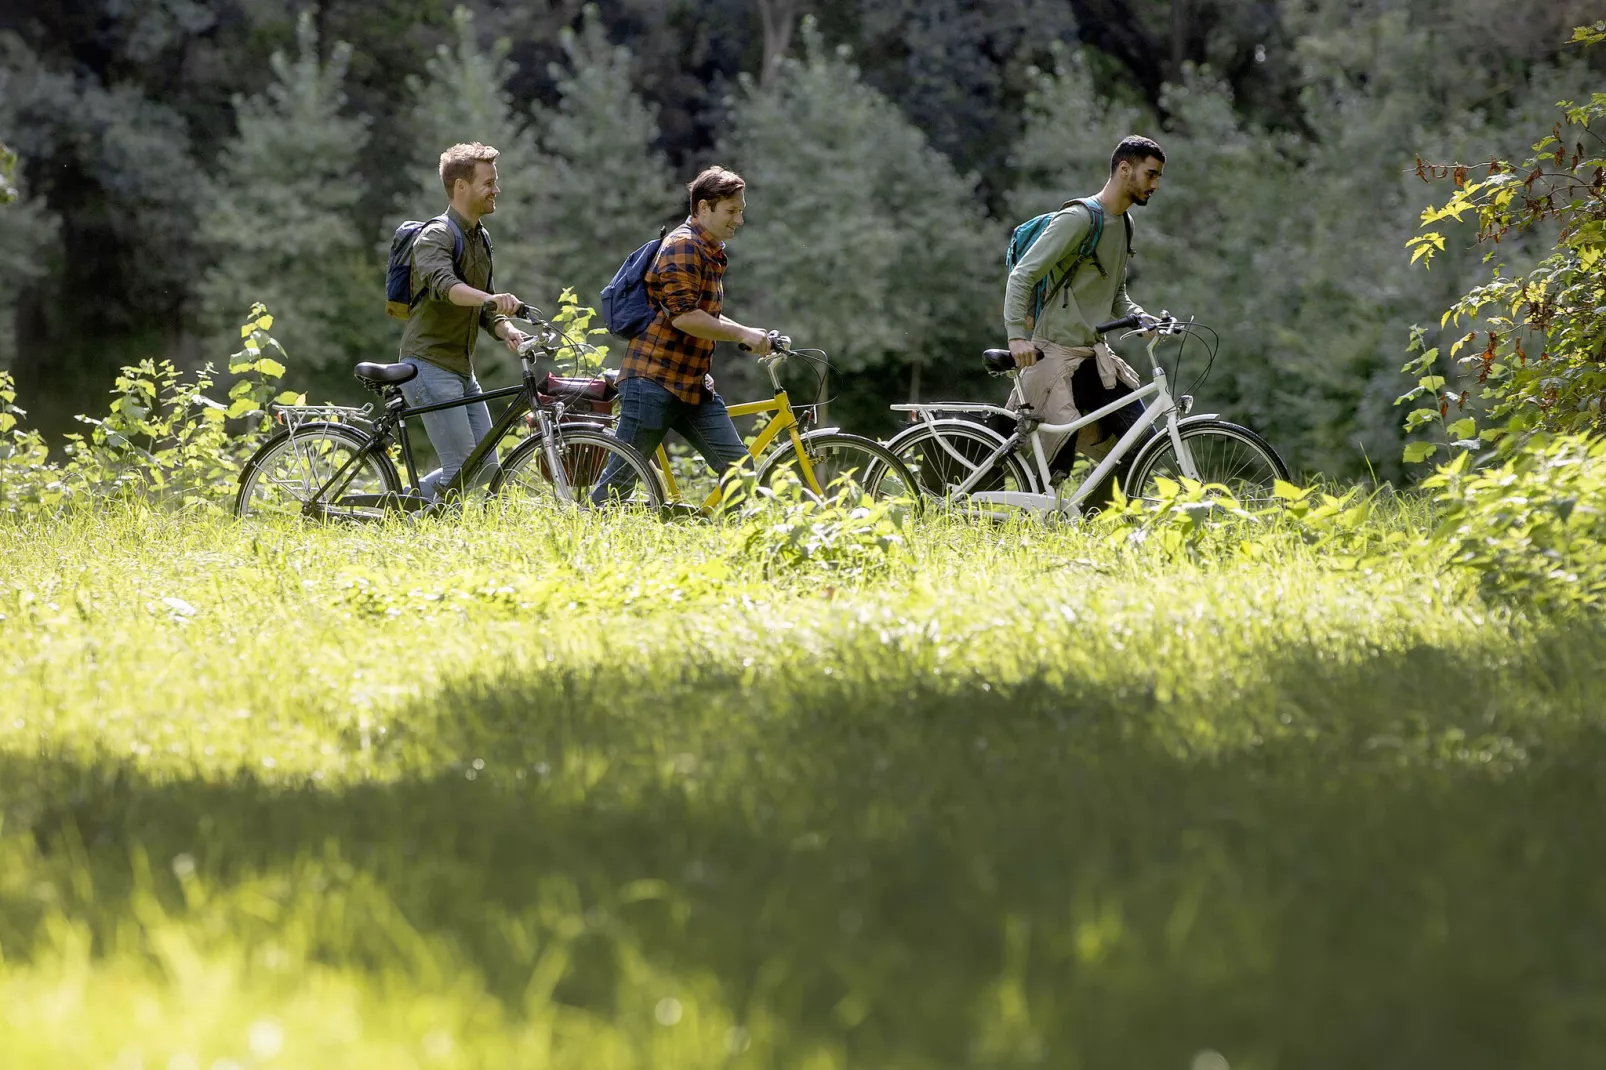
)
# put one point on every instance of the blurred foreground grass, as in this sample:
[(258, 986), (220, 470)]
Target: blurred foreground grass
[(597, 793)]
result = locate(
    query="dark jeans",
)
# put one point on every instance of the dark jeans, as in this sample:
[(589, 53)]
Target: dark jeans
[(1090, 395), (647, 412)]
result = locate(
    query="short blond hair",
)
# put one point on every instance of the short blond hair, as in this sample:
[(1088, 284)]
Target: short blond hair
[(459, 161)]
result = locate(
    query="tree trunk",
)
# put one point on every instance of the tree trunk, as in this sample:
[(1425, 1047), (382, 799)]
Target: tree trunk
[(779, 18)]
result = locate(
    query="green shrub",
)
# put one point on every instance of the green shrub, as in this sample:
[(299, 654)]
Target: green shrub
[(162, 439), (1532, 339), (1534, 528), (845, 533)]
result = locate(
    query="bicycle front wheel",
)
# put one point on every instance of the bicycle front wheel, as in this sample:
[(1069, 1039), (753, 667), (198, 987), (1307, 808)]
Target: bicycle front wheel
[(943, 456), (585, 456), (836, 460), (295, 466), (1223, 453)]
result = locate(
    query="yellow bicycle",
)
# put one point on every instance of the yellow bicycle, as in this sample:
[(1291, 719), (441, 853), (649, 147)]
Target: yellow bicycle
[(822, 458)]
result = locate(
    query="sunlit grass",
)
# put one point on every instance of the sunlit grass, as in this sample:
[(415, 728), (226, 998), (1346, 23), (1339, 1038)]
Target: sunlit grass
[(542, 790)]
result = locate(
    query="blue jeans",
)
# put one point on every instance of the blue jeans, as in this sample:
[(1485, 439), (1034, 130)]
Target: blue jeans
[(647, 412), (453, 432)]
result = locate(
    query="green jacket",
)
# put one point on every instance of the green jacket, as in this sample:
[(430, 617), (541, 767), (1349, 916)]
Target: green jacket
[(1068, 317), (437, 330)]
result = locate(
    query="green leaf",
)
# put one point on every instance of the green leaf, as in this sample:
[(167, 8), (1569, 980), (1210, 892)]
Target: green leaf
[(1287, 491), (270, 367), (1463, 428), (1420, 418), (1416, 452), (242, 407), (1431, 382)]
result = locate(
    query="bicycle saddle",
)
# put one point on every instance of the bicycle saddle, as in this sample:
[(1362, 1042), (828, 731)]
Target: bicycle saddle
[(374, 376), (998, 361), (604, 387)]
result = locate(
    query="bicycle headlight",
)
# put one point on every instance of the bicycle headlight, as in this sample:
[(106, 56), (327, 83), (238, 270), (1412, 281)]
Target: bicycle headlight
[(1186, 403)]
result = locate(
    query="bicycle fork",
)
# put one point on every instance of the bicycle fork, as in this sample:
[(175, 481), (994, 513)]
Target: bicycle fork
[(550, 449)]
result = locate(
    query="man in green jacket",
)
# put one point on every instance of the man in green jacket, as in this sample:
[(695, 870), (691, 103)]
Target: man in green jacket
[(448, 312), (1066, 368)]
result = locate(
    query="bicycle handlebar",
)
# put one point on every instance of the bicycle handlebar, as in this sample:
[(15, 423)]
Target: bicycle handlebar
[(1165, 323), (525, 311), (1116, 325), (780, 345)]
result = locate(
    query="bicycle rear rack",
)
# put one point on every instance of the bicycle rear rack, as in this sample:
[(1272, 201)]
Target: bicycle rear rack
[(293, 416)]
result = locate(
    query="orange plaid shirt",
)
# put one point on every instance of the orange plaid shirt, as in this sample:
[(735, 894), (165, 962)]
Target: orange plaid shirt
[(687, 274)]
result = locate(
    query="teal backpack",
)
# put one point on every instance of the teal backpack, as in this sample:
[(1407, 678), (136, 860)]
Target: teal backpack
[(1029, 231)]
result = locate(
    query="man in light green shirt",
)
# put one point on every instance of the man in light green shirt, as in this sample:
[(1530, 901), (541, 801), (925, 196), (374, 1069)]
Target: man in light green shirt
[(1066, 369)]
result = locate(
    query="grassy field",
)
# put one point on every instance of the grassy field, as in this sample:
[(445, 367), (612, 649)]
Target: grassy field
[(579, 792)]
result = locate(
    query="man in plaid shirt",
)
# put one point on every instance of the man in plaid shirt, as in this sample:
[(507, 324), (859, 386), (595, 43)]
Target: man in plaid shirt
[(664, 383)]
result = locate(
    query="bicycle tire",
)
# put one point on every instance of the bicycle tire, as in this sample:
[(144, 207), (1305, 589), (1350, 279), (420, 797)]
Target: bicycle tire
[(289, 468), (937, 471), (585, 453), (835, 457), (1223, 452)]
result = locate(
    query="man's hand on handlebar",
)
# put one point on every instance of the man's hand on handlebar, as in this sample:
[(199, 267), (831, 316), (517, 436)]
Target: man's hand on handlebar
[(1024, 350), (513, 338), (504, 304), (758, 342)]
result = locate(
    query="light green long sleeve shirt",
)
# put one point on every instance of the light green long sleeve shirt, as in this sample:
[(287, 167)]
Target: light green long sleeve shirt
[(1068, 317)]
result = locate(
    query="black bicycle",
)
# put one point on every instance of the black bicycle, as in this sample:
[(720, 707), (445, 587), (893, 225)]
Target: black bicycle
[(333, 461)]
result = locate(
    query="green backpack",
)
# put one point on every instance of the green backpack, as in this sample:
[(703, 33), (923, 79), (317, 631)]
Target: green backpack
[(1028, 232)]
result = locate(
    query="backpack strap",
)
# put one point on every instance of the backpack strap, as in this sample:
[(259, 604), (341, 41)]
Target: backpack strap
[(1088, 250)]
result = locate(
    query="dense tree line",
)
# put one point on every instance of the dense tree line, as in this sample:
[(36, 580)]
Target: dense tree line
[(181, 159)]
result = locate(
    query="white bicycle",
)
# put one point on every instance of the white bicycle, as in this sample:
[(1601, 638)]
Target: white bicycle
[(954, 456)]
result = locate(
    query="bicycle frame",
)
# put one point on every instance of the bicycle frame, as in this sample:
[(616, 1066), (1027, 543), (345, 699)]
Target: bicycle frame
[(395, 419), (1039, 500), (785, 421)]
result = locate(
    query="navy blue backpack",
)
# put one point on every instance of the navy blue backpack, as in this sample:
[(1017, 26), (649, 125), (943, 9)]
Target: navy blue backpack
[(626, 310), (399, 296)]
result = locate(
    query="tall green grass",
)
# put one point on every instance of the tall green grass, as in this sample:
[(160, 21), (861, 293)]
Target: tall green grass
[(538, 791)]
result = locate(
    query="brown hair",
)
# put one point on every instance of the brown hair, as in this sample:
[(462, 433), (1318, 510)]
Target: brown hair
[(714, 185), (459, 161), (1137, 149)]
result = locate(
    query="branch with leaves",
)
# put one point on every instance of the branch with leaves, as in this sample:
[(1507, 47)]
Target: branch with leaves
[(1534, 340)]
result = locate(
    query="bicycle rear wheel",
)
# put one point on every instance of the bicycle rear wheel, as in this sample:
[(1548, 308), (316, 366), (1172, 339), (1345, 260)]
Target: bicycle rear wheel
[(1223, 453), (838, 460), (941, 456), (294, 466), (585, 454)]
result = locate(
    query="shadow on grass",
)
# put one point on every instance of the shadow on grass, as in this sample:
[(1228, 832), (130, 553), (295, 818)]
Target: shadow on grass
[(1403, 874)]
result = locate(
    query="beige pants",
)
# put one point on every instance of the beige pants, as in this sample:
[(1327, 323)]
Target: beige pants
[(1046, 386)]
